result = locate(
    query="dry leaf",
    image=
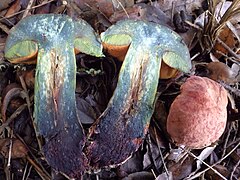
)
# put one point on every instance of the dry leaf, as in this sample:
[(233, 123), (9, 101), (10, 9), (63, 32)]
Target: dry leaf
[(186, 5), (140, 175), (222, 7), (132, 165), (18, 148), (5, 4), (219, 71), (141, 11), (210, 174), (85, 111), (204, 155), (165, 176), (16, 6), (181, 169), (228, 38)]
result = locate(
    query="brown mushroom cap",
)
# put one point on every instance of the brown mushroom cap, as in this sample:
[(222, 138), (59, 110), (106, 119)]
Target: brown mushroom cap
[(198, 115)]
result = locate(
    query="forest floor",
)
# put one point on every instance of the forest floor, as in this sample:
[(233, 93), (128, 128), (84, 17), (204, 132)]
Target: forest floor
[(211, 31)]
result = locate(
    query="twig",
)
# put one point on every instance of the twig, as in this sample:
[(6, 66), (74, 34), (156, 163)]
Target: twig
[(25, 171), (34, 7), (210, 167), (35, 160), (10, 153), (4, 28), (161, 155), (12, 93), (28, 100), (25, 95), (234, 169), (228, 49), (12, 117), (233, 90), (123, 8), (226, 141), (200, 173), (195, 26), (29, 6), (154, 174), (29, 171), (39, 170), (76, 9)]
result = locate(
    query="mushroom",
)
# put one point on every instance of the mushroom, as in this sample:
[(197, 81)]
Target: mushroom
[(198, 115), (53, 39), (121, 128)]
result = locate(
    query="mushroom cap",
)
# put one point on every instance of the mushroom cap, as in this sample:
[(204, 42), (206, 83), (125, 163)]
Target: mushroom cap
[(24, 41), (198, 115), (162, 41)]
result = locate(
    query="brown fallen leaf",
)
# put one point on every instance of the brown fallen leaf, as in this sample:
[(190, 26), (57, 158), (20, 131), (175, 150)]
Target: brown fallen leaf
[(18, 150), (143, 12), (5, 4), (106, 7), (210, 174), (140, 175), (186, 5), (43, 9), (181, 169), (228, 38), (11, 99), (219, 71), (85, 111), (15, 7), (132, 165), (28, 77)]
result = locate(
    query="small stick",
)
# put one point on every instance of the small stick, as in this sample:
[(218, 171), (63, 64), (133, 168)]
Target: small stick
[(29, 6), (10, 153), (200, 173), (4, 28), (25, 171), (29, 171), (12, 117), (125, 11), (228, 48), (34, 158), (38, 169), (160, 151), (34, 7), (231, 89), (234, 169), (210, 167)]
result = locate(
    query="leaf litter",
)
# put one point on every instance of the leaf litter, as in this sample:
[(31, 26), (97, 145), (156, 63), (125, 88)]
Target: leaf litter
[(214, 33)]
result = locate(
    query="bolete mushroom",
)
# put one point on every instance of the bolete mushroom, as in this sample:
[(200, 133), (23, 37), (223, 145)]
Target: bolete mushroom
[(53, 39), (121, 129), (198, 115)]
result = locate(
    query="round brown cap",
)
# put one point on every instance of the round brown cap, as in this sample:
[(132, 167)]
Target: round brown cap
[(198, 115)]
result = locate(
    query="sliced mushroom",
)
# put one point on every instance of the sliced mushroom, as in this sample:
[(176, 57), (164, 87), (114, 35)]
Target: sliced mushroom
[(54, 39), (121, 129)]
